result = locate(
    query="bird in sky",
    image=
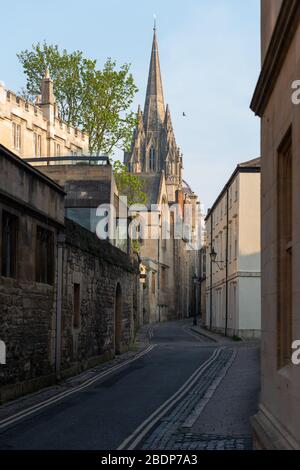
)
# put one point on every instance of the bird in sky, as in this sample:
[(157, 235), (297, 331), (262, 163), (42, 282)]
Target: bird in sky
[(183, 114)]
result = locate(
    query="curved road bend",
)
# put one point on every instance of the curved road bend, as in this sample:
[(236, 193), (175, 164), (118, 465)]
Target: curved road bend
[(101, 416)]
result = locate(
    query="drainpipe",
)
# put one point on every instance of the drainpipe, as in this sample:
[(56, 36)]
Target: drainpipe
[(60, 247), (211, 266), (226, 261), (158, 277)]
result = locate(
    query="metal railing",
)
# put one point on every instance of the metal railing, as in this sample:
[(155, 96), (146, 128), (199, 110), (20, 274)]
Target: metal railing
[(101, 160)]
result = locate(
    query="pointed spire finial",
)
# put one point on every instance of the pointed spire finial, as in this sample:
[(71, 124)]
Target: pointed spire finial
[(47, 95), (47, 73), (154, 111), (154, 25)]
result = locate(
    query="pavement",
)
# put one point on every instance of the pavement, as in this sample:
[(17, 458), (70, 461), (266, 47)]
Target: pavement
[(181, 388)]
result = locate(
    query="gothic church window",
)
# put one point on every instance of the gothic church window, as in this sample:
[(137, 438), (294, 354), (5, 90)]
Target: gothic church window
[(152, 159)]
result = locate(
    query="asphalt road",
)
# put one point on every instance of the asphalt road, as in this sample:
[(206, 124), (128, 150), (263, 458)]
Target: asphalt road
[(101, 416)]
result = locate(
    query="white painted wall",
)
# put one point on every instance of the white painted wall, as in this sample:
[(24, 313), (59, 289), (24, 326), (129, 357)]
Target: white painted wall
[(244, 304)]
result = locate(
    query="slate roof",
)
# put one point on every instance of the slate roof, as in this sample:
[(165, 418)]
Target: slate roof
[(254, 163), (151, 186)]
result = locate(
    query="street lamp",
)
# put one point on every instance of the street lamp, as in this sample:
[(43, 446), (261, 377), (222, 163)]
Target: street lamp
[(213, 257)]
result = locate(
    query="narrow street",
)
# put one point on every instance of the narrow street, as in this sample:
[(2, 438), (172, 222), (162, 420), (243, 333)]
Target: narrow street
[(186, 392)]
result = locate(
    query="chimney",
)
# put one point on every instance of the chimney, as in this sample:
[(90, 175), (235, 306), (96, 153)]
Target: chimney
[(47, 100), (47, 89)]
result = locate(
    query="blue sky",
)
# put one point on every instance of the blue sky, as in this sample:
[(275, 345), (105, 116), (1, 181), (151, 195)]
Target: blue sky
[(209, 54)]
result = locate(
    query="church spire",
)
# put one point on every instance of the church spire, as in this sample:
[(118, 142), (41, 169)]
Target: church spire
[(154, 112)]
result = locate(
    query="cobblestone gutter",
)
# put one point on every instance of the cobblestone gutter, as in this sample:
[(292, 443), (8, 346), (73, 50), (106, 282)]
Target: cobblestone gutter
[(174, 431)]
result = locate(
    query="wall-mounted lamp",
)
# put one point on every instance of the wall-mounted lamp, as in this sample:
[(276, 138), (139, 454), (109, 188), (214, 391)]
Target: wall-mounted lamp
[(213, 257)]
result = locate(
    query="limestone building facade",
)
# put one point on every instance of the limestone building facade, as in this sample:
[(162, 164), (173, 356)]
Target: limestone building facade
[(157, 160), (35, 130), (277, 424), (233, 274)]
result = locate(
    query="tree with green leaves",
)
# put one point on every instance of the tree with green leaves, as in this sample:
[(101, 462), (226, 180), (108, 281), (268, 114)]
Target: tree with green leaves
[(129, 185), (97, 101)]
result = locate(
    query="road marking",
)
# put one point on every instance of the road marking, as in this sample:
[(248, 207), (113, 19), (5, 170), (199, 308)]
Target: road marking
[(150, 333), (194, 416), (189, 332), (199, 336), (39, 406), (131, 442)]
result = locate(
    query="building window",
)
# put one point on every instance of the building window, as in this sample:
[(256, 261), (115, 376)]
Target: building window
[(163, 278), (57, 150), (16, 136), (153, 283), (236, 190), (152, 159), (37, 145), (230, 243), (285, 230), (235, 239), (44, 256), (76, 305), (9, 244)]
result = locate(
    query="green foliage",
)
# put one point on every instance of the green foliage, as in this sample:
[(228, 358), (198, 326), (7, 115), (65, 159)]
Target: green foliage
[(135, 246), (236, 338), (129, 184), (97, 101)]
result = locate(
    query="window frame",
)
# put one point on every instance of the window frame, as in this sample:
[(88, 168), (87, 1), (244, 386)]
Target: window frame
[(13, 256), (44, 256)]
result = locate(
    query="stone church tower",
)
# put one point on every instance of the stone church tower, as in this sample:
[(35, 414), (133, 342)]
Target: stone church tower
[(154, 156), (154, 146)]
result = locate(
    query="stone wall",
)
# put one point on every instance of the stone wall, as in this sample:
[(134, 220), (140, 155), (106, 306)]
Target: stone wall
[(106, 281), (25, 325), (28, 312), (98, 268)]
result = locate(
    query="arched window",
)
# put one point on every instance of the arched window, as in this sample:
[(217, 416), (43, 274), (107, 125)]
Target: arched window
[(152, 159)]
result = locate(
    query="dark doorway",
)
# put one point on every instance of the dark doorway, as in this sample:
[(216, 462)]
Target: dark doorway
[(118, 319)]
